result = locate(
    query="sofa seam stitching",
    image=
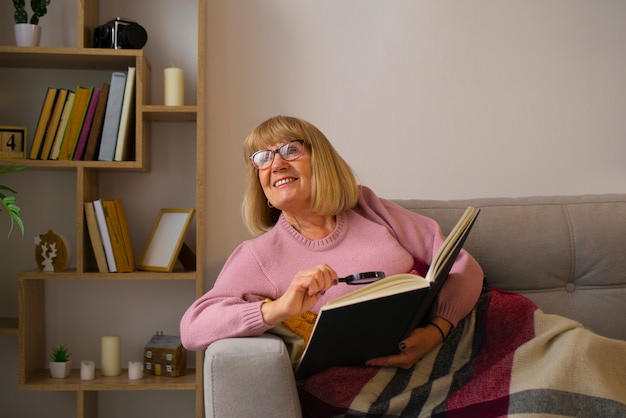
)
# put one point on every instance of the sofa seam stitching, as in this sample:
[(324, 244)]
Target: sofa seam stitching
[(213, 398), (289, 370), (572, 239)]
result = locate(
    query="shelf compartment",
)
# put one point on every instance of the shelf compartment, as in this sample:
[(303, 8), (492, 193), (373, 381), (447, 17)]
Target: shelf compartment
[(40, 380), (89, 59), (9, 326)]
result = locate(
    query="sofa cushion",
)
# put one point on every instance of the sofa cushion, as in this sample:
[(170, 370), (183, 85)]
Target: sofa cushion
[(266, 360), (566, 253)]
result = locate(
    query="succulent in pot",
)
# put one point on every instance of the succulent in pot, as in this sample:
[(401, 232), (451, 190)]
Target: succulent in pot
[(39, 8), (61, 365), (61, 354), (28, 33)]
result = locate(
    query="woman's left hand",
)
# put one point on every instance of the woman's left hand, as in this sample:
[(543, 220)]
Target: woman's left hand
[(420, 342)]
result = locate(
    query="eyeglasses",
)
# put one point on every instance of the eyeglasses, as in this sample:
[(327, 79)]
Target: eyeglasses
[(363, 278), (289, 151)]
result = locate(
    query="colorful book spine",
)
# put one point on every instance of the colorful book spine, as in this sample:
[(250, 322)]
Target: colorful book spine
[(120, 236), (42, 125), (81, 145), (60, 134), (122, 148), (95, 133), (95, 237), (104, 233), (75, 123), (53, 126), (112, 117)]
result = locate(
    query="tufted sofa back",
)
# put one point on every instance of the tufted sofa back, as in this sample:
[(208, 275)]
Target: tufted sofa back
[(566, 253)]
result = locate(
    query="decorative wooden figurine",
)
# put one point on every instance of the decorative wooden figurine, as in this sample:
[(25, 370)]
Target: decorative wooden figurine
[(51, 252)]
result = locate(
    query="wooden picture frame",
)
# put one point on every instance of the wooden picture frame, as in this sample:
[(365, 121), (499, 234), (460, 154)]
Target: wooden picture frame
[(166, 240)]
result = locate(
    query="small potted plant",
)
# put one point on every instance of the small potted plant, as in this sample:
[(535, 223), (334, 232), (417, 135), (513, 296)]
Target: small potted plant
[(28, 33), (61, 365)]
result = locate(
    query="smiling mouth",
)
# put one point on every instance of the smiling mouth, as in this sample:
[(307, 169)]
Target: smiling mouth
[(284, 181)]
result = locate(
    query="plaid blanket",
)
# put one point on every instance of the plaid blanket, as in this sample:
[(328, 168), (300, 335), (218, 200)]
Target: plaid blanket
[(507, 358)]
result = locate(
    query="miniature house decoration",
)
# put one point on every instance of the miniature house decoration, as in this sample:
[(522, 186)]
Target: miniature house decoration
[(164, 355)]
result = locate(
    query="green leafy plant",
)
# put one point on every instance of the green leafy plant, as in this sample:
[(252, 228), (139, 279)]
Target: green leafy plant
[(39, 7), (9, 203), (60, 354)]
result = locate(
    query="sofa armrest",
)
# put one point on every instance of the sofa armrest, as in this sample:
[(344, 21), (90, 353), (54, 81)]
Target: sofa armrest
[(246, 377)]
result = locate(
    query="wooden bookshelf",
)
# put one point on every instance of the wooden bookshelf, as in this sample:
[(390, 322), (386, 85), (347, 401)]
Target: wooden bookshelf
[(31, 326)]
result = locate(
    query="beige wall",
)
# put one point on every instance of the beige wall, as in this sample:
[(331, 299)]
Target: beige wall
[(432, 99)]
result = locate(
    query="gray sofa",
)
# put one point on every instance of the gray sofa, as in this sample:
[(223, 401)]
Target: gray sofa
[(566, 253)]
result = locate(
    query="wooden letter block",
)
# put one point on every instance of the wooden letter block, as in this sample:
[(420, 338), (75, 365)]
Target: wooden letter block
[(12, 142)]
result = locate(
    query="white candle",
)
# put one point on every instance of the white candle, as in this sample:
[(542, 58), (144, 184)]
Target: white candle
[(173, 87), (135, 370), (111, 355), (87, 369)]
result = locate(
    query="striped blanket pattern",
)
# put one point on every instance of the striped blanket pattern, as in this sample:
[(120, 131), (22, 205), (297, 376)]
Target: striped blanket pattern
[(507, 358)]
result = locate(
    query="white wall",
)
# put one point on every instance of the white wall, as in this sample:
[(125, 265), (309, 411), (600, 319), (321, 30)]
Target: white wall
[(431, 99), (510, 98)]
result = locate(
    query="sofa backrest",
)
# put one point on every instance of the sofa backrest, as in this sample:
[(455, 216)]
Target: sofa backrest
[(566, 253)]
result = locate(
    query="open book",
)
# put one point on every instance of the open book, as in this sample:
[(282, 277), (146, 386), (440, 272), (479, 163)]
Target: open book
[(372, 320)]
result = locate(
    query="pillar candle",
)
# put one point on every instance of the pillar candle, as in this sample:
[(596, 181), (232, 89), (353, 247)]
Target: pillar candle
[(135, 370), (87, 369), (111, 355), (173, 87)]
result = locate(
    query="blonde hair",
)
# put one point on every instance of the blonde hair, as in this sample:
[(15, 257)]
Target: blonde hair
[(334, 186)]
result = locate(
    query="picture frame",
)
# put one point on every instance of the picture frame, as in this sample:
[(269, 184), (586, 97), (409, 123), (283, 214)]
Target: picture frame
[(12, 142), (166, 240)]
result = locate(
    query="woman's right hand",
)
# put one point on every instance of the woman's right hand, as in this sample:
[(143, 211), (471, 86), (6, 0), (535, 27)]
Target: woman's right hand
[(306, 288)]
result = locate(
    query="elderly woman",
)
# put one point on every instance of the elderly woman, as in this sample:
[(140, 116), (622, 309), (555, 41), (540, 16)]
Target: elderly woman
[(314, 225)]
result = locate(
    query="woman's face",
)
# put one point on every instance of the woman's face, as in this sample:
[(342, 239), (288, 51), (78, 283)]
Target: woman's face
[(287, 184)]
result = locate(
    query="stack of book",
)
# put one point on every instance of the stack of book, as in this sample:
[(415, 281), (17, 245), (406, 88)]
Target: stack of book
[(90, 123), (109, 236)]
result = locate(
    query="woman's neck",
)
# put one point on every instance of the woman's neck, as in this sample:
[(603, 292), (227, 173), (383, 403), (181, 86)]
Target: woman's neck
[(313, 227)]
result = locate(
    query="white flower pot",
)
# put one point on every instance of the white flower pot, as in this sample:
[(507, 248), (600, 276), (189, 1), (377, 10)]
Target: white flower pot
[(60, 370), (27, 34)]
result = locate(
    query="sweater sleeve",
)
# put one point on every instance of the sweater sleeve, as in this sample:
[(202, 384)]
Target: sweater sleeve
[(232, 308), (422, 237)]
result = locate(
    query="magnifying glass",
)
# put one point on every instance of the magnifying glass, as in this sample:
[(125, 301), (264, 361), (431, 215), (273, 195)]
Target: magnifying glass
[(362, 278)]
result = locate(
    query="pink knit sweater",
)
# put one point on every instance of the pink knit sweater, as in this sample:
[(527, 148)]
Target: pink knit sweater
[(376, 235)]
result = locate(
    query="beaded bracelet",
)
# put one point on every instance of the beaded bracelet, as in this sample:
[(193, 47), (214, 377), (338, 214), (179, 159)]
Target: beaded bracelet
[(443, 336)]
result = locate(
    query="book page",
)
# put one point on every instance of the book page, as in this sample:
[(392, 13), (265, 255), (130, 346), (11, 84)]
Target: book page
[(398, 283), (450, 242)]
